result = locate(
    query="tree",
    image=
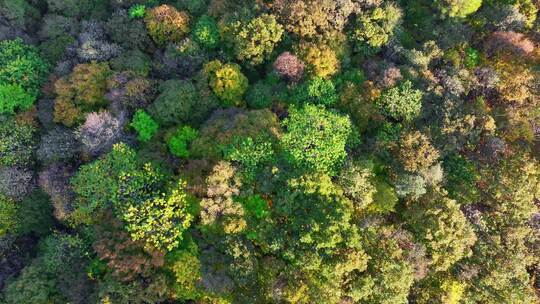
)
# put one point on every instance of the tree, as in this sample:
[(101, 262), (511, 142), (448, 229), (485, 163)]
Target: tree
[(81, 92), (166, 24), (161, 220), (416, 152), (16, 143), (57, 145), (357, 181), (254, 40), (206, 32), (227, 82), (9, 220), (145, 125), (21, 66), (183, 101), (457, 8), (96, 184), (320, 59), (317, 91), (401, 102), (98, 133), (316, 138), (375, 27), (289, 67), (180, 139), (13, 97), (439, 224)]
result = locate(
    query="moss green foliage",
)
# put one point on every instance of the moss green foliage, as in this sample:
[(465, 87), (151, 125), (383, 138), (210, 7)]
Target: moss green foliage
[(145, 125), (254, 40), (227, 82), (206, 32), (402, 102), (16, 143), (35, 213), (180, 139), (9, 220), (316, 138)]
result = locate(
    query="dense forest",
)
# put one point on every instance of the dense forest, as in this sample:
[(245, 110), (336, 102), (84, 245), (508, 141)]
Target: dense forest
[(269, 151)]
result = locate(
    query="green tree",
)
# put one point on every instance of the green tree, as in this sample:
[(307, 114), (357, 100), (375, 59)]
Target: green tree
[(375, 27), (161, 220), (254, 40), (316, 138), (13, 97), (250, 153), (227, 82), (9, 220), (206, 32), (457, 8), (439, 224), (16, 143), (315, 91), (21, 65), (145, 125), (401, 102), (180, 139)]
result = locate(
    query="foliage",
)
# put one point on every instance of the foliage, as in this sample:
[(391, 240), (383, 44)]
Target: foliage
[(316, 138), (317, 91), (320, 59), (13, 97), (375, 27), (401, 102), (206, 32), (250, 153), (186, 267), (98, 133), (159, 221), (21, 65), (137, 11), (58, 144), (16, 143), (9, 216), (357, 181), (35, 214), (179, 141), (227, 82), (416, 152), (289, 67), (166, 24), (254, 41), (457, 8), (145, 125), (81, 92)]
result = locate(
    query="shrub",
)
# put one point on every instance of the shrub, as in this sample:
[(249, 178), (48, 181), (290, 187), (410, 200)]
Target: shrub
[(9, 221), (401, 102), (227, 82), (254, 41), (180, 139), (14, 97), (16, 143), (22, 66), (98, 133), (166, 24), (315, 138), (81, 92), (289, 67), (321, 60), (145, 125), (58, 145), (206, 33)]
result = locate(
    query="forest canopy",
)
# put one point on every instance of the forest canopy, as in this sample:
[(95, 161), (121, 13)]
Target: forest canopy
[(269, 151)]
